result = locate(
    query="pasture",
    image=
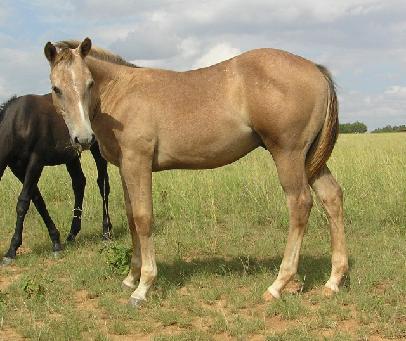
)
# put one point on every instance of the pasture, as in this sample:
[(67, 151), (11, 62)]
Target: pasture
[(220, 236)]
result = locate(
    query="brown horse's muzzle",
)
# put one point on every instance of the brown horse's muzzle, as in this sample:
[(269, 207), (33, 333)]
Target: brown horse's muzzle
[(85, 142)]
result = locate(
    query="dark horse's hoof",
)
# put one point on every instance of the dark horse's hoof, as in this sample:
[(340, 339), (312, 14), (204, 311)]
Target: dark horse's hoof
[(7, 261), (135, 302), (57, 254), (70, 238), (107, 236), (57, 247), (57, 250)]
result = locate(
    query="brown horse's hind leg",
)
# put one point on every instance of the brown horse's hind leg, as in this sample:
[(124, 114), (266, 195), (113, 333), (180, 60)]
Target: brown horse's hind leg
[(292, 175), (330, 194)]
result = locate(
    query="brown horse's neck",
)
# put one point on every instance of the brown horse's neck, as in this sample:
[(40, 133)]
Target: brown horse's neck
[(105, 75)]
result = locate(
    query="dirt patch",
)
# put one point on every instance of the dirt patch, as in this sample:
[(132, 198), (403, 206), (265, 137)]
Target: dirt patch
[(293, 287), (23, 250), (278, 324), (8, 334), (349, 326), (221, 337), (379, 338), (89, 302), (86, 301), (257, 338), (383, 287), (138, 337), (8, 275)]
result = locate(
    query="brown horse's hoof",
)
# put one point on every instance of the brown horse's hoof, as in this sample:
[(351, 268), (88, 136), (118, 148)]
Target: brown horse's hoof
[(327, 292), (268, 297), (135, 302)]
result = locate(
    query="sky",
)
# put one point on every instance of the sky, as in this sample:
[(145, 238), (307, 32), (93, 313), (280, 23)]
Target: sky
[(363, 42)]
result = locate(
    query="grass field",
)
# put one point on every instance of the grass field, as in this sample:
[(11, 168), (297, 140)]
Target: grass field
[(219, 236)]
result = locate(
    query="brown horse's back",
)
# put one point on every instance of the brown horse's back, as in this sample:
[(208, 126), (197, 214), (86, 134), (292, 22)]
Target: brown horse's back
[(286, 94), (213, 116)]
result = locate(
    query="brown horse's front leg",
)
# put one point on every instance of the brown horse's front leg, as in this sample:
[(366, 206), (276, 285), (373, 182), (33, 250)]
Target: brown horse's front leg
[(130, 282), (136, 172)]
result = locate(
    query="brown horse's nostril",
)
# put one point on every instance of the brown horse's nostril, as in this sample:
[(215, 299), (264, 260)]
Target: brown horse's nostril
[(85, 142)]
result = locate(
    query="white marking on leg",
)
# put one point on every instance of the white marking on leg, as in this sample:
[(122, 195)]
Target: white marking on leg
[(275, 293), (331, 285), (135, 269), (129, 281), (148, 268)]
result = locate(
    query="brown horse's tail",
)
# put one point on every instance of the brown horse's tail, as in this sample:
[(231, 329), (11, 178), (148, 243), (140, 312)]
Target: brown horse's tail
[(323, 145)]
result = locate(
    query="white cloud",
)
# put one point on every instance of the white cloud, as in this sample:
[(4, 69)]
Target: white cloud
[(189, 47), (216, 54), (3, 91), (3, 16), (387, 107), (396, 90), (22, 71), (148, 43)]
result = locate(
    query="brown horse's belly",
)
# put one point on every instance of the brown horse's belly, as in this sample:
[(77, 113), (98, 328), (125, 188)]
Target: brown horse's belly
[(194, 153)]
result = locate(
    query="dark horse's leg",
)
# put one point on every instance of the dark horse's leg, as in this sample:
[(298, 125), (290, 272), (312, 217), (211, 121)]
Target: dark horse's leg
[(52, 230), (104, 187), (30, 179), (78, 184), (3, 160), (42, 210)]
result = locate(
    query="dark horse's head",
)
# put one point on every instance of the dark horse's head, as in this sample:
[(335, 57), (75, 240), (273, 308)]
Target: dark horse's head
[(73, 91)]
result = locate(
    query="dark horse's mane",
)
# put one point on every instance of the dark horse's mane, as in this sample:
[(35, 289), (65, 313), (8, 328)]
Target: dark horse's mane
[(95, 52), (5, 105)]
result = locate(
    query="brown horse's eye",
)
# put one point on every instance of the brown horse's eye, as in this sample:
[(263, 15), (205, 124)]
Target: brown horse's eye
[(90, 85), (56, 90)]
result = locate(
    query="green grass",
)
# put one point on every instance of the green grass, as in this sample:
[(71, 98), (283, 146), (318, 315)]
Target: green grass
[(219, 236)]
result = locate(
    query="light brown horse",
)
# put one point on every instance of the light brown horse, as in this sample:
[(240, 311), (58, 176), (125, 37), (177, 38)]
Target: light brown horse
[(149, 120)]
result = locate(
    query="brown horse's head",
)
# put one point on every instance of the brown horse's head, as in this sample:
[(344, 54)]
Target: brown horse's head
[(73, 90)]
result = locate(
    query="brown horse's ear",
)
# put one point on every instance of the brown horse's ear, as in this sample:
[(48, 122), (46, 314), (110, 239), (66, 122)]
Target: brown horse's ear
[(50, 52), (84, 47)]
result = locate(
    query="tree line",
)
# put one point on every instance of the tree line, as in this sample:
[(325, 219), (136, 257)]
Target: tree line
[(390, 129), (360, 128), (351, 128)]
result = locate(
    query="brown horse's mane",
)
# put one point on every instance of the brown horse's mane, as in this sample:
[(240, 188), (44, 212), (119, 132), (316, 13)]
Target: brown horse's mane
[(95, 52)]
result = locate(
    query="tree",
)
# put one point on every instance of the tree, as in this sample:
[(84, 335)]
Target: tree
[(351, 128)]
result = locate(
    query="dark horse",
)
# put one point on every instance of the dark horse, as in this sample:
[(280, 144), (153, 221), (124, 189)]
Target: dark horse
[(33, 135)]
